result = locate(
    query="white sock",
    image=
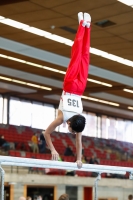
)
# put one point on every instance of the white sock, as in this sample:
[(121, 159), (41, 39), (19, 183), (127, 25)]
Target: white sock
[(84, 23), (87, 18), (80, 16), (88, 24)]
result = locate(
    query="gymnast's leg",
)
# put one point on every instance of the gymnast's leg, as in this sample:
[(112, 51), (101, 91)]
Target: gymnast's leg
[(76, 55), (85, 58)]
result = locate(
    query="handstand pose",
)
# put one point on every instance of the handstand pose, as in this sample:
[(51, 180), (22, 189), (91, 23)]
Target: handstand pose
[(70, 107)]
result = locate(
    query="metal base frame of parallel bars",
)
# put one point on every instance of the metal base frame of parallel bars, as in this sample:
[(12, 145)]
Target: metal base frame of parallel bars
[(29, 162), (2, 173)]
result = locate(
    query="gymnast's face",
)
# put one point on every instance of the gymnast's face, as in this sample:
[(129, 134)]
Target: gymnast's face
[(70, 129)]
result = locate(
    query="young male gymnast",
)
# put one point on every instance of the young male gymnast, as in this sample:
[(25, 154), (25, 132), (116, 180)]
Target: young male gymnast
[(70, 107)]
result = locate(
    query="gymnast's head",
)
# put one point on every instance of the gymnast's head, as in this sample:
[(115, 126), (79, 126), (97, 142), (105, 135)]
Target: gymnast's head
[(64, 197), (76, 124)]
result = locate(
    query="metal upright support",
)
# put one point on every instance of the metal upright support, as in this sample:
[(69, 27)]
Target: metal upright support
[(2, 183), (131, 176), (95, 185)]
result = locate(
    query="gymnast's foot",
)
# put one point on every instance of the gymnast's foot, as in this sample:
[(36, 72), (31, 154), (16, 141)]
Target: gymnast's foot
[(87, 19), (80, 16)]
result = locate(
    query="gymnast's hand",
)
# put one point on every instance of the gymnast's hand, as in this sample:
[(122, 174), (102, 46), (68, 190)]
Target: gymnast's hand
[(55, 155), (79, 163)]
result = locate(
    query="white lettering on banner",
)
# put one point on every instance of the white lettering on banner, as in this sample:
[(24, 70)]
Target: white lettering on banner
[(72, 103)]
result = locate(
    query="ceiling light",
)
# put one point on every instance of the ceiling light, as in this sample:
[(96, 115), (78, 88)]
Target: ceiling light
[(101, 101), (34, 64), (16, 59), (69, 43), (130, 108), (128, 62), (33, 85), (25, 83), (127, 90), (3, 56), (127, 2), (96, 51), (36, 31), (66, 41), (5, 78), (45, 88), (62, 72), (99, 82), (17, 81), (56, 38), (14, 23), (51, 69), (111, 57), (1, 18)]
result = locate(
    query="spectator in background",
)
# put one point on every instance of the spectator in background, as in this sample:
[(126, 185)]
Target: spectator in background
[(92, 160), (83, 159), (130, 197), (60, 158), (87, 159), (4, 144), (83, 151), (42, 144), (34, 140), (64, 197), (68, 151)]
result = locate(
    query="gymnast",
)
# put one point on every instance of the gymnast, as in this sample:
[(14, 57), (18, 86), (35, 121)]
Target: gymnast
[(70, 107)]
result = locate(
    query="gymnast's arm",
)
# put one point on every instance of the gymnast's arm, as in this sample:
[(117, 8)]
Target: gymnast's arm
[(58, 121), (79, 149)]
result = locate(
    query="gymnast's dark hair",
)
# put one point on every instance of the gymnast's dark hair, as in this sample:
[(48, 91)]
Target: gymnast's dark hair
[(77, 123)]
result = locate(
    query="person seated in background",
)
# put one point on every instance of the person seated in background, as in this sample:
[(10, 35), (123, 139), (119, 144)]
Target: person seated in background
[(68, 151), (60, 158), (96, 162), (70, 173), (83, 151), (130, 197), (86, 159), (93, 160), (64, 197), (83, 159), (34, 140), (42, 144), (4, 144)]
